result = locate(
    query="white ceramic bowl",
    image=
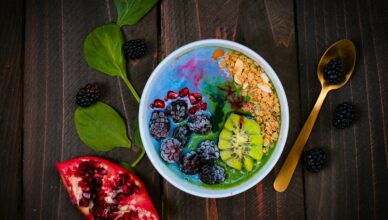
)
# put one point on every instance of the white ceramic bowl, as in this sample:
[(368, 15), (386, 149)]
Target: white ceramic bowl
[(154, 155)]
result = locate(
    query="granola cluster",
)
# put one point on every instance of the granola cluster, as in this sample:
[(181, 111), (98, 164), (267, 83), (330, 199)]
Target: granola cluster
[(263, 102)]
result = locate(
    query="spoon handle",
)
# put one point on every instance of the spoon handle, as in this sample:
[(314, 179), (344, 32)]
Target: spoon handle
[(288, 168)]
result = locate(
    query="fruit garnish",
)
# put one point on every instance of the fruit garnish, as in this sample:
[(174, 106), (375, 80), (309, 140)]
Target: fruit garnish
[(194, 109), (159, 125), (314, 159), (171, 150), (202, 105), (103, 190), (134, 49), (208, 152), (212, 174), (199, 123), (190, 163), (88, 95), (158, 103), (177, 110), (343, 115), (218, 53), (172, 95), (334, 72), (184, 92), (240, 142), (182, 134), (192, 99)]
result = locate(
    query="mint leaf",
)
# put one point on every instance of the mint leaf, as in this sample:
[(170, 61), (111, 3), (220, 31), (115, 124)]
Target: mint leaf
[(100, 127), (102, 50), (131, 11)]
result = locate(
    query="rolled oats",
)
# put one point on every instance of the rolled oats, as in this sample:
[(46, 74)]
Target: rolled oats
[(263, 102)]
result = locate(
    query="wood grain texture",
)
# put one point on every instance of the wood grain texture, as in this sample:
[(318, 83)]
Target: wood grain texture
[(353, 186), (257, 25), (55, 70), (11, 116), (42, 67)]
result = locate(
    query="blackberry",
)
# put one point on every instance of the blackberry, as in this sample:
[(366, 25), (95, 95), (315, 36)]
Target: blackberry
[(88, 95), (343, 115), (171, 150), (190, 163), (177, 110), (334, 72), (134, 49), (314, 159), (208, 152), (199, 123), (182, 134), (212, 174), (159, 125)]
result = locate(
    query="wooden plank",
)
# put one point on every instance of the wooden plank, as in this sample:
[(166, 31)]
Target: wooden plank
[(268, 28), (353, 185), (11, 98), (55, 69)]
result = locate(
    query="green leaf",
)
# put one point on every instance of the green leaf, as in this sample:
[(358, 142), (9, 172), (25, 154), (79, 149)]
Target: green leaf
[(136, 135), (102, 50), (100, 127), (131, 11)]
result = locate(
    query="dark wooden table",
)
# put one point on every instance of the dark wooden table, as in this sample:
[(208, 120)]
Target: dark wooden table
[(42, 66)]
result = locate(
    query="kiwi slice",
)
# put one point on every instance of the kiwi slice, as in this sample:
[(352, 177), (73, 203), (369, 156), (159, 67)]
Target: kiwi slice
[(240, 142)]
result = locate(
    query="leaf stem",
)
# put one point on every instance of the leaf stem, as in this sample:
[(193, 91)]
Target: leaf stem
[(131, 88), (138, 159)]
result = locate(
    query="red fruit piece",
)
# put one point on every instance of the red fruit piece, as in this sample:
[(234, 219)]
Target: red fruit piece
[(202, 105), (194, 109), (184, 92), (197, 96), (192, 99), (172, 95), (158, 103), (115, 193)]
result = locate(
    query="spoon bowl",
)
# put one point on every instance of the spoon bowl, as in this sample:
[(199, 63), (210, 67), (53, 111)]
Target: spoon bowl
[(346, 52)]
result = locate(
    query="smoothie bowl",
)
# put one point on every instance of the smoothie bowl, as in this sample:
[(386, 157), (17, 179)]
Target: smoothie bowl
[(213, 118)]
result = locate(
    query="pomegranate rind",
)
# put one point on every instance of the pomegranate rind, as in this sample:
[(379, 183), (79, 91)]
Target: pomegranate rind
[(139, 201)]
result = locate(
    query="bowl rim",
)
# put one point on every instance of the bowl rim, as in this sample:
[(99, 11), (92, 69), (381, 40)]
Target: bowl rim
[(154, 156)]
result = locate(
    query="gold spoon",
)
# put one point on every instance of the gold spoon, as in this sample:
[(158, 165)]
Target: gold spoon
[(346, 52)]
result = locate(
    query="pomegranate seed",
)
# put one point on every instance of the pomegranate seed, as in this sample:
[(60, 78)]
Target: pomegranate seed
[(193, 109), (120, 197), (96, 164), (192, 99), (127, 190), (85, 189), (197, 96), (82, 184), (98, 183), (135, 189), (184, 92), (158, 104), (102, 171), (133, 215), (172, 95), (203, 105), (83, 202)]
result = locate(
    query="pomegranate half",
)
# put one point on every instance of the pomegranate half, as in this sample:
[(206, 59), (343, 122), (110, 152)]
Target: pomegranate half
[(103, 190)]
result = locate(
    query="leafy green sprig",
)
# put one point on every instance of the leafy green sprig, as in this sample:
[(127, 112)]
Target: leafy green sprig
[(100, 127)]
